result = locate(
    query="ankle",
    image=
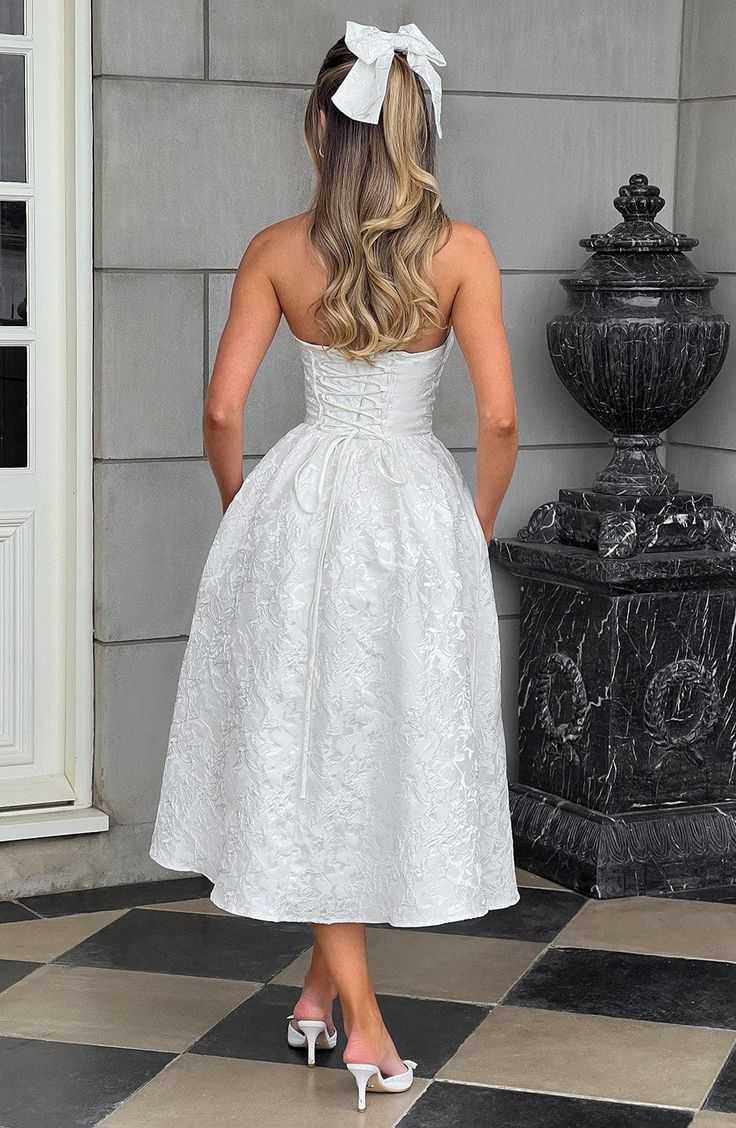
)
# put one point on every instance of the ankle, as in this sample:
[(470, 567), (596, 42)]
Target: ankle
[(372, 1043), (319, 989), (364, 1022)]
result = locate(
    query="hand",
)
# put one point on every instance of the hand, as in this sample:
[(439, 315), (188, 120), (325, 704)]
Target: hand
[(486, 524), (226, 504)]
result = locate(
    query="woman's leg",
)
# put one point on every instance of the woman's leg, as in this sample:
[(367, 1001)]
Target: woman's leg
[(319, 991), (343, 947)]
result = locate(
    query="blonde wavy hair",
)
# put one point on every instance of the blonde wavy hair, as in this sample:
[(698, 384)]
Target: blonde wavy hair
[(378, 219)]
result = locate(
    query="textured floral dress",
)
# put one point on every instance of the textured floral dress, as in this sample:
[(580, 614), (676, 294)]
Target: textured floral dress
[(336, 751)]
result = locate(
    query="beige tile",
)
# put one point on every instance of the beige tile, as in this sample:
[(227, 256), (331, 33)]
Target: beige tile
[(655, 926), (104, 1007), (197, 905), (533, 881), (41, 940), (714, 1120), (550, 1051), (196, 1090), (436, 965)]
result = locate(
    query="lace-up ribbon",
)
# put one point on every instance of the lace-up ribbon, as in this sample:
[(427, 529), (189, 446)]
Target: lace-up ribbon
[(334, 401)]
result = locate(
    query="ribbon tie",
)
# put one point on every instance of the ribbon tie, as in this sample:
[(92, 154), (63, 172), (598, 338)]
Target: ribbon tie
[(344, 441), (360, 94)]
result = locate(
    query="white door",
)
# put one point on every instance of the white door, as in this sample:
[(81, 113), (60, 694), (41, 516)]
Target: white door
[(39, 424)]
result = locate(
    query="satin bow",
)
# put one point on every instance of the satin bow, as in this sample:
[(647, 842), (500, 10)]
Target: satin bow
[(360, 94)]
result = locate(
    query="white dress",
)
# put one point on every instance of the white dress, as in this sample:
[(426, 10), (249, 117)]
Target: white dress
[(336, 750)]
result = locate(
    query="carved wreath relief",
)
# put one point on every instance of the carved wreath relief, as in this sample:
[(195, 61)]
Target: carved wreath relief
[(564, 732), (681, 707)]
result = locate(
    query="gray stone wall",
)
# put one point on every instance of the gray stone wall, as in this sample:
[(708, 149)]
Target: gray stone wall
[(549, 105), (702, 446)]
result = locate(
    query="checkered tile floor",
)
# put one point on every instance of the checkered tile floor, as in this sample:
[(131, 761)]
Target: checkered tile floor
[(146, 1005)]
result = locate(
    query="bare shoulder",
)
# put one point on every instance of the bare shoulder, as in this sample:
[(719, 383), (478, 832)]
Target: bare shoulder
[(272, 246), (468, 248)]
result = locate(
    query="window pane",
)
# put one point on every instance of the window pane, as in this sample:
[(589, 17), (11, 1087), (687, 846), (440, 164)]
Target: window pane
[(13, 406), (11, 17), (13, 284), (12, 117)]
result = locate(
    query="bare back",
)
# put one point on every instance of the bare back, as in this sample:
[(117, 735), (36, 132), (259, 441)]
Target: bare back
[(299, 279), (280, 276)]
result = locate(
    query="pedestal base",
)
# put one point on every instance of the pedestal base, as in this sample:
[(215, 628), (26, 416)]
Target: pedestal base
[(627, 718), (644, 852)]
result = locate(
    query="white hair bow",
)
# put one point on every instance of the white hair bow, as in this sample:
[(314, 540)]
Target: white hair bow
[(360, 94)]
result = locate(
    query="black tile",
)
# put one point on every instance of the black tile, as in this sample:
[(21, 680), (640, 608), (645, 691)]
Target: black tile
[(539, 915), (118, 896), (425, 1030), (433, 1028), (12, 911), (61, 1085), (256, 1030), (623, 985), (724, 893), (473, 1106), (722, 1097), (192, 944), (13, 970)]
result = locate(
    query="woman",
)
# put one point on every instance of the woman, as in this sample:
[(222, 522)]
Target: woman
[(336, 751)]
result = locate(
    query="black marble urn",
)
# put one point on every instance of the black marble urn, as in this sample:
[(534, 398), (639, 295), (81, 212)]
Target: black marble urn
[(627, 685)]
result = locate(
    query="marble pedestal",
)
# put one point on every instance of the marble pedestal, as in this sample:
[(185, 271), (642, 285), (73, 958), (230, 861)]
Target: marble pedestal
[(627, 718)]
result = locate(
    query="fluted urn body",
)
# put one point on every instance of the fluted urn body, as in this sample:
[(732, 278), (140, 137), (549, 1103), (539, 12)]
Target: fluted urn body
[(638, 343)]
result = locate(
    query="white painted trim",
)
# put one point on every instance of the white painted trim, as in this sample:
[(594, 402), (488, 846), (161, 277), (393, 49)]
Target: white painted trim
[(80, 683), (16, 638), (51, 824)]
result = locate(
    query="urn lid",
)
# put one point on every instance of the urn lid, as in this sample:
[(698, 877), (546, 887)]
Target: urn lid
[(639, 253)]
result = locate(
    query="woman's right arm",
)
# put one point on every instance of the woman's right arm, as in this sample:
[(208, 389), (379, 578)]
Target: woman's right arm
[(251, 325), (477, 319)]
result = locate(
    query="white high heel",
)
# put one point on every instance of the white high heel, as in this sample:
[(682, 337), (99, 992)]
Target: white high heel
[(314, 1035), (370, 1077)]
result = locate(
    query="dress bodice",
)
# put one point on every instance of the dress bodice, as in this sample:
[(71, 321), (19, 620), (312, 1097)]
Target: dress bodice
[(393, 396)]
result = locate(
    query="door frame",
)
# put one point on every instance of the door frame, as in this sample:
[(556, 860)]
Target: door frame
[(80, 816)]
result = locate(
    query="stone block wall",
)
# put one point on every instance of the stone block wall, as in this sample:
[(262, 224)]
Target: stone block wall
[(701, 448), (549, 106)]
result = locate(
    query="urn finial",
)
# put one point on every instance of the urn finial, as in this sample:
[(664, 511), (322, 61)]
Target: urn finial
[(638, 199), (639, 202)]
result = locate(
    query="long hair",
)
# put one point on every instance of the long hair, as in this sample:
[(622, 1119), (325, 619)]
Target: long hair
[(378, 219)]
